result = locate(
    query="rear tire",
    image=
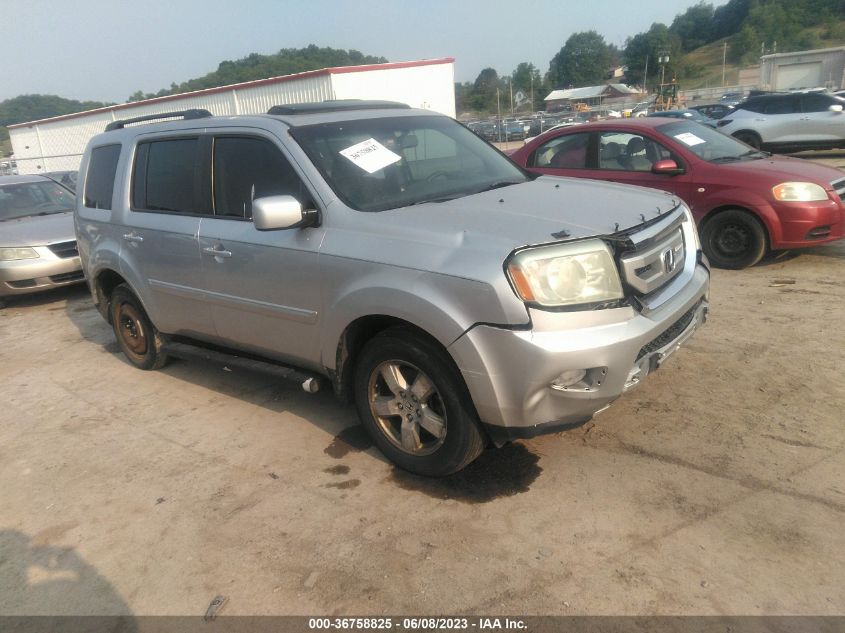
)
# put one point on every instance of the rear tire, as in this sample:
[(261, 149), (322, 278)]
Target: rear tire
[(749, 138), (139, 340), (733, 239), (415, 405)]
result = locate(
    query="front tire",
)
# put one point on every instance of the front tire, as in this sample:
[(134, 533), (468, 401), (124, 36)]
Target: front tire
[(139, 340), (733, 239), (749, 138), (414, 404)]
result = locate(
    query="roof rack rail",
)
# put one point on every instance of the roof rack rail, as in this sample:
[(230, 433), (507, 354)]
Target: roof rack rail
[(182, 114), (336, 105)]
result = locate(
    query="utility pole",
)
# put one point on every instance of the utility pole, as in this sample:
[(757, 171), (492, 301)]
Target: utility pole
[(645, 76), (499, 113), (724, 57), (532, 93), (510, 85)]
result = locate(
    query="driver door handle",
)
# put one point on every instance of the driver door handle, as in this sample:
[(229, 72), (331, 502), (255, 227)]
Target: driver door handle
[(132, 238), (217, 253)]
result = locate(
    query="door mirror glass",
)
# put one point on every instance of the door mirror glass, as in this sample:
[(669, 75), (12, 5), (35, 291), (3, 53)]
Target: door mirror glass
[(278, 212), (667, 167)]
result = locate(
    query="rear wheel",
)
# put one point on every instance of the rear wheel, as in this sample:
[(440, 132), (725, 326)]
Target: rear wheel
[(414, 404), (137, 337), (733, 239), (749, 138)]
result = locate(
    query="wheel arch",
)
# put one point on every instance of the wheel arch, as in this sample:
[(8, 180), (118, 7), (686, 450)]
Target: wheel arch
[(105, 281)]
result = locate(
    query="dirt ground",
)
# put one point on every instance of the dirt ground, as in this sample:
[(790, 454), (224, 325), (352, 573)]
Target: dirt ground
[(716, 487)]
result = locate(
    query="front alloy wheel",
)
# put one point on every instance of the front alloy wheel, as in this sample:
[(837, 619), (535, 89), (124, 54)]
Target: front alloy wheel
[(407, 407)]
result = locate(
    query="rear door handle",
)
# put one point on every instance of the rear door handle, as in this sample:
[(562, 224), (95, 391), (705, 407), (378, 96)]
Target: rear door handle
[(217, 253), (131, 237)]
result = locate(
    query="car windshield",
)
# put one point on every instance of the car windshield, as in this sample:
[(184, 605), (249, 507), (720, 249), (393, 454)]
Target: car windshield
[(385, 163), (707, 143), (24, 199)]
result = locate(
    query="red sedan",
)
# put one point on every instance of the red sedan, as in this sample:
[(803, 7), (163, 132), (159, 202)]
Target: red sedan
[(745, 201)]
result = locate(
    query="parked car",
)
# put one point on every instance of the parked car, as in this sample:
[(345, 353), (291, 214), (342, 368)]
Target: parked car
[(37, 241), (713, 110), (66, 178), (456, 298), (788, 122), (692, 115), (731, 98), (745, 201)]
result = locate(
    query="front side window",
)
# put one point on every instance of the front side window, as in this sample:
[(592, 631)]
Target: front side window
[(390, 162), (45, 197), (99, 183), (563, 152), (250, 168), (624, 151), (167, 178), (814, 102)]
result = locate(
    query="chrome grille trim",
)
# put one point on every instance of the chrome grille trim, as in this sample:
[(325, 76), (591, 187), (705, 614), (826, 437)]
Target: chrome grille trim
[(649, 268)]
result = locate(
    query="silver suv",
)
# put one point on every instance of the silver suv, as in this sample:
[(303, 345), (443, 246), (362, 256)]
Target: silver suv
[(455, 298)]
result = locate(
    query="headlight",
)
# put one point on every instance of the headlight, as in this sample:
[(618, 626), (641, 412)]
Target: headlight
[(566, 274), (11, 254), (799, 192)]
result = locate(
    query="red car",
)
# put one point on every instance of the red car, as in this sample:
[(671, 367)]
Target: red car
[(745, 201)]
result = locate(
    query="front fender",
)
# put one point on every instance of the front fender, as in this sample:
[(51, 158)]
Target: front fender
[(443, 306), (751, 201)]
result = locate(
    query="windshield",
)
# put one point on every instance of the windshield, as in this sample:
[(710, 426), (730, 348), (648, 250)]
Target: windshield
[(707, 143), (33, 198), (385, 163)]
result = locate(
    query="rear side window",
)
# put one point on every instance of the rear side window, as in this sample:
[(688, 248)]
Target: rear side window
[(250, 168), (99, 184), (167, 176), (563, 152)]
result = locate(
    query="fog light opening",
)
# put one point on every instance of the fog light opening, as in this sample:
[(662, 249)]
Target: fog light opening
[(568, 378)]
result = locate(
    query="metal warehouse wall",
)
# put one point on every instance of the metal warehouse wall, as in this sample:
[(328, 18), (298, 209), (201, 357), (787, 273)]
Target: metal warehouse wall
[(57, 144), (831, 74), (428, 87)]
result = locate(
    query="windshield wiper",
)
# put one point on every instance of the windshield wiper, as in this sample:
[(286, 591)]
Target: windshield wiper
[(726, 159), (440, 199), (499, 185)]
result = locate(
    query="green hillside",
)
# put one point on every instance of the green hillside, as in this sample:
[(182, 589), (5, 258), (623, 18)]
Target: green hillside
[(702, 67)]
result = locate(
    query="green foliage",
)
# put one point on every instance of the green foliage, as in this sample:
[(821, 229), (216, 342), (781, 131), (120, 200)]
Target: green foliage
[(693, 27), (32, 107), (525, 77), (254, 66), (583, 61), (656, 42)]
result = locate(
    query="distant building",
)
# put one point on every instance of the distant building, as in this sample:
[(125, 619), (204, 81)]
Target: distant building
[(822, 68), (57, 143), (590, 95)]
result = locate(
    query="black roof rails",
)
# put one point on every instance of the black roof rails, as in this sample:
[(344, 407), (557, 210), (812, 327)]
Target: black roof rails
[(336, 105), (183, 114)]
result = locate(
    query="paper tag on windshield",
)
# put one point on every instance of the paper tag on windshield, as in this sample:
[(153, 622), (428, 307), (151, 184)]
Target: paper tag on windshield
[(370, 155), (689, 138)]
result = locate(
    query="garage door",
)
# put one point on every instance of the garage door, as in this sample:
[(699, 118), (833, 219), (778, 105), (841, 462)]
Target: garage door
[(806, 75)]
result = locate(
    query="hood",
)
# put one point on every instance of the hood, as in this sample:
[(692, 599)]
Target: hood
[(37, 230), (548, 209), (471, 237), (784, 169)]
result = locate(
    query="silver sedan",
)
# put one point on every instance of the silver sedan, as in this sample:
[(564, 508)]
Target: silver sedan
[(37, 242)]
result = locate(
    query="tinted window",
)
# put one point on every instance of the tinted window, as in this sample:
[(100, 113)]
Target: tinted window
[(250, 168), (99, 184), (814, 102), (167, 176), (563, 152), (779, 106)]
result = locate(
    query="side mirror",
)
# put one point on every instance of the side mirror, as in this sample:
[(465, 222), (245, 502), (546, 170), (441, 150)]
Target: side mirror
[(281, 212), (666, 167), (836, 108)]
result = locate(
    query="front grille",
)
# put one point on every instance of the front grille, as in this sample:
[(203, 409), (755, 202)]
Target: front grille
[(670, 334), (76, 275), (64, 249), (655, 262), (839, 188)]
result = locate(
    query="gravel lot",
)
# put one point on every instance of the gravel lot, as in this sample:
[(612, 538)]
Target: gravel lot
[(716, 487)]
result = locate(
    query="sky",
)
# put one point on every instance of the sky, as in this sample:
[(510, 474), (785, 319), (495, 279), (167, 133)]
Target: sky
[(104, 50)]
